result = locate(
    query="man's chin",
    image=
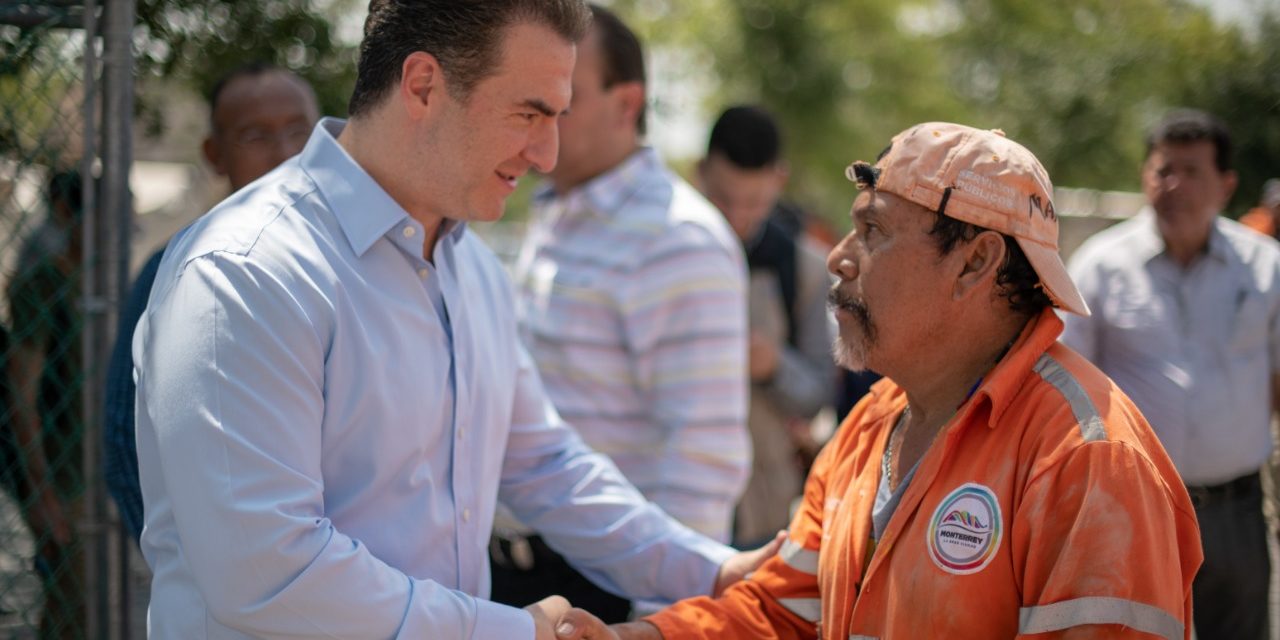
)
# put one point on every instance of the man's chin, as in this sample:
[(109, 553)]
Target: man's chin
[(853, 358), (489, 214)]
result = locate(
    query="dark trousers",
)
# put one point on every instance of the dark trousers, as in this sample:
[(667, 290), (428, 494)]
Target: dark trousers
[(523, 575), (1229, 595)]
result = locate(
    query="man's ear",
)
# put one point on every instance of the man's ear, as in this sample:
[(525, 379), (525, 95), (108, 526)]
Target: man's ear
[(213, 155), (1230, 180), (421, 84), (630, 96), (982, 258), (783, 170)]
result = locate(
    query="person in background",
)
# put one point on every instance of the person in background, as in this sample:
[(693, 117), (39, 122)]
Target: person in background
[(45, 374), (259, 116), (995, 484), (1264, 217), (332, 394), (1187, 322), (789, 355), (632, 301)]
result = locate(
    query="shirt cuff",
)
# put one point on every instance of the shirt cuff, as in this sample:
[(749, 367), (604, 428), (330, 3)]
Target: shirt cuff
[(499, 622), (701, 574), (669, 623)]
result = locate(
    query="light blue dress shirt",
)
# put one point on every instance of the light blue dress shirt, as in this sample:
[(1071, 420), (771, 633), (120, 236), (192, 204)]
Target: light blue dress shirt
[(1195, 347), (326, 421)]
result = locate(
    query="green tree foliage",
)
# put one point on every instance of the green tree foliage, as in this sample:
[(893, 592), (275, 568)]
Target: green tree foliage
[(1078, 81), (1241, 83), (38, 77), (1081, 81), (197, 41)]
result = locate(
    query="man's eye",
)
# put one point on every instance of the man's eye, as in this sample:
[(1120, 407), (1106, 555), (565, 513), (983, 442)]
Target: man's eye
[(251, 136)]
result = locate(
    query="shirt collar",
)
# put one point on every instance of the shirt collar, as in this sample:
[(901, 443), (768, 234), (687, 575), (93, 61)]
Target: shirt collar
[(1149, 244), (1005, 381), (1219, 246), (999, 387), (365, 211), (608, 193)]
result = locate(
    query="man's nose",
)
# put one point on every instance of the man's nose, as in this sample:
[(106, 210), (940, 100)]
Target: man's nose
[(544, 146), (841, 262)]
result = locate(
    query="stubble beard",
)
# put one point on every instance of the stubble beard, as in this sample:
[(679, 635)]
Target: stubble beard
[(851, 352)]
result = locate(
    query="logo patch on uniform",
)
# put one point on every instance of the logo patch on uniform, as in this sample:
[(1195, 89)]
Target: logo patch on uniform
[(965, 530)]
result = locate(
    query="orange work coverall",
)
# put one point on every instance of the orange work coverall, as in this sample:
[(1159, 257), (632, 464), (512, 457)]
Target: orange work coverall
[(1045, 505)]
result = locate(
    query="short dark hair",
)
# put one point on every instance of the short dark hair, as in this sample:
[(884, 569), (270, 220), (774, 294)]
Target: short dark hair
[(623, 54), (250, 70), (747, 136), (67, 187), (1185, 126), (465, 36), (1016, 280)]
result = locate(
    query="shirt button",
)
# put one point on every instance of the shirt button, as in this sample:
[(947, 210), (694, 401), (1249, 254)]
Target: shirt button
[(422, 273), (409, 231), (466, 515)]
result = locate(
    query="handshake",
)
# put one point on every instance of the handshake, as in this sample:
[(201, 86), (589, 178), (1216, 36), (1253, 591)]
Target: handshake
[(554, 618)]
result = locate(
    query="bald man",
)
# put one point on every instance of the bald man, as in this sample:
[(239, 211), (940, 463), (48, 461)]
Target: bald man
[(260, 116)]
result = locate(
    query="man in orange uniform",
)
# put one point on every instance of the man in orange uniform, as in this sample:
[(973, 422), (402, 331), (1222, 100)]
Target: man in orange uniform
[(996, 484)]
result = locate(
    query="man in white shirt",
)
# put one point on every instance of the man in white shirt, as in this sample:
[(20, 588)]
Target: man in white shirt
[(1186, 320), (332, 395)]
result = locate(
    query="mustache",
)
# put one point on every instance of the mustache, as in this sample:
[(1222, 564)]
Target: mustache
[(837, 299)]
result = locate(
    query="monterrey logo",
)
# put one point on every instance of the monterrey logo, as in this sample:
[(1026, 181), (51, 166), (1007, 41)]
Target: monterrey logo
[(964, 532)]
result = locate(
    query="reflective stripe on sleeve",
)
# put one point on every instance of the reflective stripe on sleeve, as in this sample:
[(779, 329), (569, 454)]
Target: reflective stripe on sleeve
[(1091, 427), (1099, 610), (858, 637), (799, 558), (808, 608)]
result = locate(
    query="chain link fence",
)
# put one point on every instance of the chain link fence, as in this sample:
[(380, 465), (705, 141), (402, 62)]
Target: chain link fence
[(63, 213)]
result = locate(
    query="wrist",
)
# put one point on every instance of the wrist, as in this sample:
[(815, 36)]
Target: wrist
[(639, 630)]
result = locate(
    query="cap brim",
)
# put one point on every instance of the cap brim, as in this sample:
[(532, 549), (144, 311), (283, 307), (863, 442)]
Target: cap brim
[(1054, 278)]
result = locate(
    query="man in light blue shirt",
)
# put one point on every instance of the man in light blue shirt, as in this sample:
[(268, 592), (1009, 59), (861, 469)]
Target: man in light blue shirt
[(331, 392), (1187, 322)]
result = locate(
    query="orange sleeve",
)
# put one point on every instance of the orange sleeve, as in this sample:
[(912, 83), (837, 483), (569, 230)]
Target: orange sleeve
[(781, 599), (1103, 547), (1259, 219)]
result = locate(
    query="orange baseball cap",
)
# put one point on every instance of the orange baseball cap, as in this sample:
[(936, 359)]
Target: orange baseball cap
[(985, 179)]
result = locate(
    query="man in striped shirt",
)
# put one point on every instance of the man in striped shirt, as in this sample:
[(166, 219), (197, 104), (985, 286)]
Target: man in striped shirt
[(632, 295)]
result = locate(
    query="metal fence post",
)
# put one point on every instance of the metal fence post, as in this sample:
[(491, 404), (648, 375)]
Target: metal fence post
[(107, 609)]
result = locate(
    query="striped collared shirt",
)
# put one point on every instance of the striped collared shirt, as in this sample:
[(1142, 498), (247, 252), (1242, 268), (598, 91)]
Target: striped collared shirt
[(633, 303)]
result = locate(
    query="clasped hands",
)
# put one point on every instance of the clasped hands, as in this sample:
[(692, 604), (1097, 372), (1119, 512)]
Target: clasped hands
[(555, 618)]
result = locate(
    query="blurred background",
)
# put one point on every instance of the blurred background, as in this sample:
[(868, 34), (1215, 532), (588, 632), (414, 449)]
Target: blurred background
[(115, 91)]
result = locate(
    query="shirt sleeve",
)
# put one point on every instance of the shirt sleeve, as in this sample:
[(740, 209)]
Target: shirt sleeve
[(781, 600), (231, 400), (587, 511), (684, 315), (1078, 332), (119, 451), (1090, 558), (1273, 327), (805, 379)]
